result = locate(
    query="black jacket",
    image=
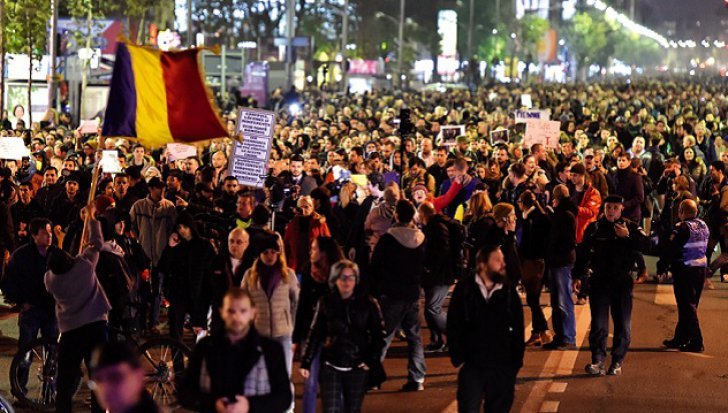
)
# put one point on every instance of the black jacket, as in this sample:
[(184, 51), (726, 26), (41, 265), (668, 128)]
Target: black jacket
[(561, 246), (630, 186), (398, 264), (484, 232), (438, 265), (534, 235), (609, 257), (23, 279), (23, 214), (485, 334), (348, 332), (227, 365), (308, 298)]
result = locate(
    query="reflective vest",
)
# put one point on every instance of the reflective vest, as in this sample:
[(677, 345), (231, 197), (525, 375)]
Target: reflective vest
[(694, 250)]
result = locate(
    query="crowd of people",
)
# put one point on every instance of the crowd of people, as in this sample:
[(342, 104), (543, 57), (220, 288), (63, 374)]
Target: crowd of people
[(356, 226)]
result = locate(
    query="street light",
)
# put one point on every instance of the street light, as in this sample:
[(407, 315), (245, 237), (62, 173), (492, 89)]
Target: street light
[(400, 36)]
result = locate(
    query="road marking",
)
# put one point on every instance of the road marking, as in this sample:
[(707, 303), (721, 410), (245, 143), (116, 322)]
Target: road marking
[(559, 363), (664, 295), (549, 406), (558, 387)]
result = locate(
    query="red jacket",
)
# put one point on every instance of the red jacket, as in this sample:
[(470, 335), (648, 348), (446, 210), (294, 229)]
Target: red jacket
[(292, 243), (588, 211)]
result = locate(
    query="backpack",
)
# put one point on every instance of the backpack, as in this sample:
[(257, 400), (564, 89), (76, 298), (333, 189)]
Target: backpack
[(458, 258)]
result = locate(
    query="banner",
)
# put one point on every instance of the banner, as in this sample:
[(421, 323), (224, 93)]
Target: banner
[(249, 161), (177, 151), (525, 116), (12, 148), (545, 132)]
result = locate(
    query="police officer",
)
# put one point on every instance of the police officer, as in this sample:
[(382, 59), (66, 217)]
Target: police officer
[(609, 250), (685, 255)]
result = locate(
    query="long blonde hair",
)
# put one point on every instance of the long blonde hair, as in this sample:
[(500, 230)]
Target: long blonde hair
[(254, 276), (480, 205)]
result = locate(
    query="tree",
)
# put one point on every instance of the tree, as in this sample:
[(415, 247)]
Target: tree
[(160, 12), (533, 29), (27, 34), (3, 27), (586, 37), (85, 13)]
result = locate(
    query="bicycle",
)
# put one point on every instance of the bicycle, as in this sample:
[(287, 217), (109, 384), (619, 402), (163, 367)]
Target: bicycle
[(5, 406), (34, 370)]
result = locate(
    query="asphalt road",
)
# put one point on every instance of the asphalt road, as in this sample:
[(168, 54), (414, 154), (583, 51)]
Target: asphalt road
[(653, 380)]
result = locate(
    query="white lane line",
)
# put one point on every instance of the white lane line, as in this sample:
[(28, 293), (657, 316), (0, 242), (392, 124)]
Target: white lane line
[(664, 295), (549, 406), (558, 387), (559, 363), (453, 406)]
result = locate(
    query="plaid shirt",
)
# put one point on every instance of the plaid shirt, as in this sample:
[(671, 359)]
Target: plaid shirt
[(256, 383)]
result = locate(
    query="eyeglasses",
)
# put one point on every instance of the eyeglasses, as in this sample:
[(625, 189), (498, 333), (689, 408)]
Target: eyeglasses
[(347, 277)]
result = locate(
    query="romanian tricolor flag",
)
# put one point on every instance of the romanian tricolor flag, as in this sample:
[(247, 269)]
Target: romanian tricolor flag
[(160, 97)]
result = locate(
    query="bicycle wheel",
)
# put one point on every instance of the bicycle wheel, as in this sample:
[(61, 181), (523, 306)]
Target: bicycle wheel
[(5, 406), (165, 363), (34, 373)]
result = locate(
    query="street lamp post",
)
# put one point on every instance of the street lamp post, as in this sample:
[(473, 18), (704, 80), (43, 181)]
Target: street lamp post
[(53, 52), (344, 44), (400, 46), (290, 32)]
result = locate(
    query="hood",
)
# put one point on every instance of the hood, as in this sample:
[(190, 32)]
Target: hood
[(112, 247), (409, 237)]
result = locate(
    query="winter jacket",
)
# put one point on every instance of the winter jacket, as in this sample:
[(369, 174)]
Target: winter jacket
[(484, 232), (588, 209), (348, 332), (438, 265), (153, 223), (276, 315), (535, 228), (379, 220), (561, 244), (80, 299), (485, 334), (298, 244), (311, 292), (398, 263), (630, 186), (23, 283)]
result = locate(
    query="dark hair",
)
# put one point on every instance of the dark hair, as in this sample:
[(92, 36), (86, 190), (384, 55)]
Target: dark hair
[(518, 169), (260, 215), (114, 353), (719, 165), (60, 262), (484, 254), (237, 293), (36, 224), (331, 249), (230, 178), (405, 211), (296, 158), (121, 175), (50, 168), (176, 173)]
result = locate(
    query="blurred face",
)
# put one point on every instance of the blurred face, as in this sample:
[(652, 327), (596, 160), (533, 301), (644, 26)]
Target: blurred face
[(577, 179), (530, 165), (494, 268), (50, 177), (623, 162), (119, 227), (612, 211), (296, 168), (426, 146), (44, 237), (501, 156), (306, 209), (230, 186), (441, 157), (118, 387), (269, 257), (724, 157), (138, 154), (71, 188), (218, 160), (184, 232), (419, 196), (244, 206), (173, 182), (25, 193), (638, 145), (121, 185), (715, 174), (689, 155), (346, 282), (69, 165), (238, 315), (191, 166), (238, 242)]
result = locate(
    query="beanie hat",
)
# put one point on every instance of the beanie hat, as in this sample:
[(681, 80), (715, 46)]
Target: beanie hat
[(103, 202), (462, 139), (265, 241), (502, 210)]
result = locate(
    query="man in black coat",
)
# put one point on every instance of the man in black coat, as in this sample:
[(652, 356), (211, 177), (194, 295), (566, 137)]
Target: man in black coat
[(396, 269), (238, 368), (438, 275), (629, 186), (486, 335)]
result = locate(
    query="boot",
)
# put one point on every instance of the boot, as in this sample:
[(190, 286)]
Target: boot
[(547, 337), (534, 340)]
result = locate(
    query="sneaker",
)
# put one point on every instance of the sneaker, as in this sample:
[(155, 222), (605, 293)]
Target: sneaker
[(595, 369), (642, 277), (724, 278), (547, 337), (534, 340), (581, 301), (709, 284), (615, 369), (434, 348), (692, 348), (413, 386)]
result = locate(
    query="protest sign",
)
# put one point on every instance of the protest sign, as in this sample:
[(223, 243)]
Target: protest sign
[(177, 151), (89, 127), (498, 137), (449, 134), (249, 160), (13, 148), (110, 162), (525, 116), (526, 101), (545, 132)]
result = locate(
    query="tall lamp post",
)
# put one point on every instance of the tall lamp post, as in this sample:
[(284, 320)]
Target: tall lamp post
[(400, 38)]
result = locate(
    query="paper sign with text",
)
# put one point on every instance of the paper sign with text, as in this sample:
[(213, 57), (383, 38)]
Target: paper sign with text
[(110, 162), (176, 151), (545, 132), (526, 101), (449, 134), (525, 116), (13, 148), (249, 161)]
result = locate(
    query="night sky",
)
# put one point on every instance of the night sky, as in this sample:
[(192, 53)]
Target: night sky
[(685, 13)]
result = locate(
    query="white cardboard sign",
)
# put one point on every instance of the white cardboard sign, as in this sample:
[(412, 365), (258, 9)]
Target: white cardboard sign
[(249, 161), (13, 148), (525, 116), (177, 151), (110, 162), (545, 132)]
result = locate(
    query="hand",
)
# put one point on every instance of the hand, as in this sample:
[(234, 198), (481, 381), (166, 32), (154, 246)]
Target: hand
[(363, 366), (241, 405), (181, 202), (305, 373), (90, 211), (198, 330), (576, 286), (621, 230), (173, 240)]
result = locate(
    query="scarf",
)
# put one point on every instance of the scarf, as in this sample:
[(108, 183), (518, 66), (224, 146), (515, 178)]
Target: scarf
[(270, 277)]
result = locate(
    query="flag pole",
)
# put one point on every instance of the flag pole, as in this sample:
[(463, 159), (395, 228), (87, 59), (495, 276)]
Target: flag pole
[(92, 192)]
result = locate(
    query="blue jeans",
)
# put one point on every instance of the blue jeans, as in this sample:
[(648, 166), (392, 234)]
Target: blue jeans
[(618, 301), (562, 304), (30, 322), (434, 316), (310, 385), (287, 343), (405, 315)]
